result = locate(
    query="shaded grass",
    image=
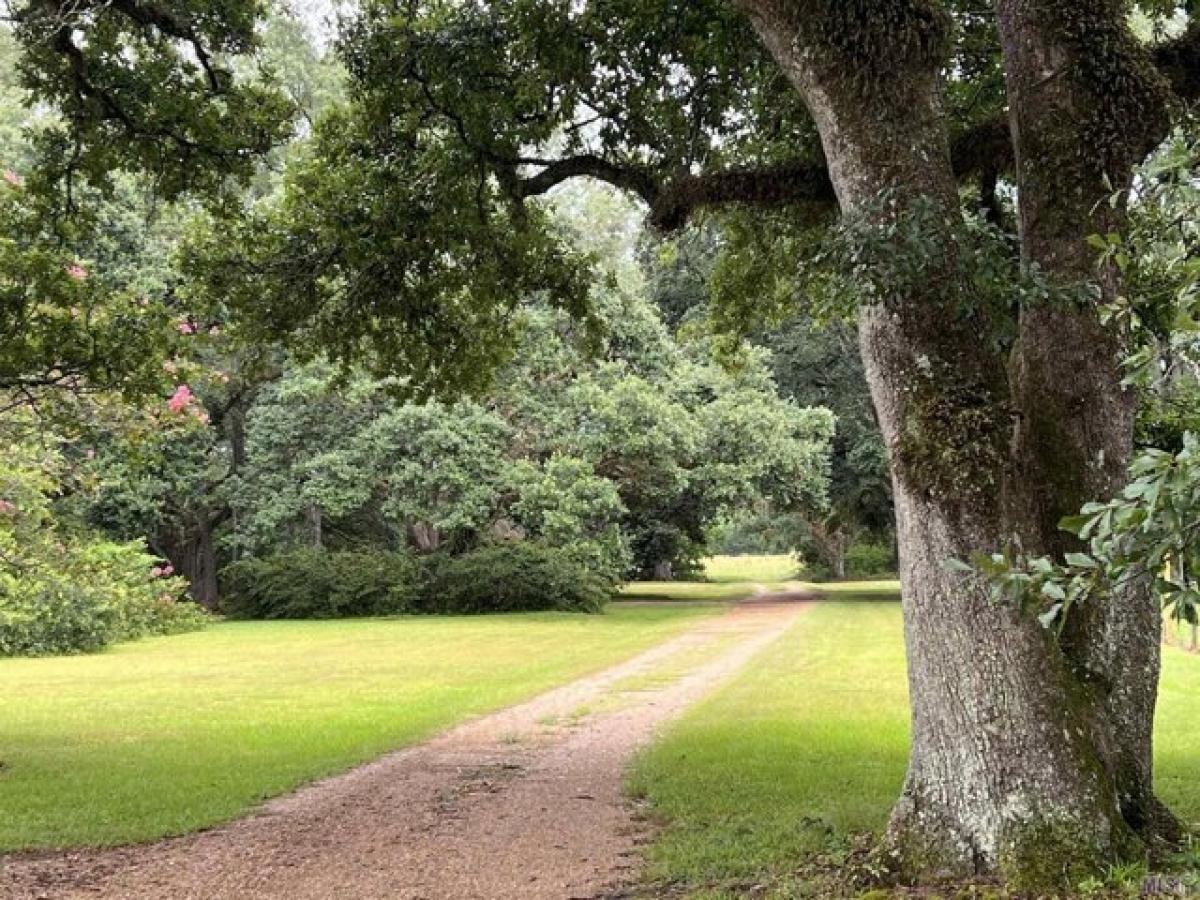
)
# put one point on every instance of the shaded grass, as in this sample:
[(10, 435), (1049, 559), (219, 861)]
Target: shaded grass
[(727, 578), (686, 591), (808, 746), (172, 734)]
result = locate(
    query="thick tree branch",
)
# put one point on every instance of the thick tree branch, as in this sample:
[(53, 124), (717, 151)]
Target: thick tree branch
[(796, 183), (1179, 62), (632, 179), (983, 152)]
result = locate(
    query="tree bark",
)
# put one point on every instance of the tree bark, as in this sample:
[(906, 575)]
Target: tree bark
[(1086, 106), (427, 538), (1014, 765), (315, 522), (664, 571), (832, 542), (192, 551)]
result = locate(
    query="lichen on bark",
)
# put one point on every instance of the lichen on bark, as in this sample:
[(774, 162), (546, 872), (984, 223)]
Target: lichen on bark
[(1016, 767)]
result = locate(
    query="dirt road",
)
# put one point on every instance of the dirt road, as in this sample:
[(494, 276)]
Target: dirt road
[(525, 803)]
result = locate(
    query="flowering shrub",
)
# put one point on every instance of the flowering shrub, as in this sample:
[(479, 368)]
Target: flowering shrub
[(73, 593)]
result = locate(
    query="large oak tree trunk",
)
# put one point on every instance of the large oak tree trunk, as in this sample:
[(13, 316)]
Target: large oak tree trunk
[(1023, 761), (1086, 106)]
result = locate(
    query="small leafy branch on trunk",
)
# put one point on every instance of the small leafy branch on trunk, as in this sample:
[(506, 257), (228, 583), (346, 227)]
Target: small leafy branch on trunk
[(1151, 528)]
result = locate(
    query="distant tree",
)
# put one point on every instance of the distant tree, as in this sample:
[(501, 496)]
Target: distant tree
[(815, 364)]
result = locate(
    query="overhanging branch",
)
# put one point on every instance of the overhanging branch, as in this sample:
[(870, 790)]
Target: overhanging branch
[(628, 178), (984, 152)]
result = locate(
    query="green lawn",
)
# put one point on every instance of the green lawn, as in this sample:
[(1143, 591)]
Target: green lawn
[(727, 578), (763, 569), (172, 734), (687, 591), (809, 744)]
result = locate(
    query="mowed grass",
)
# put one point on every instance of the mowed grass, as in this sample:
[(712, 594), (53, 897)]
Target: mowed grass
[(1177, 734), (169, 735), (726, 578), (808, 746), (762, 569)]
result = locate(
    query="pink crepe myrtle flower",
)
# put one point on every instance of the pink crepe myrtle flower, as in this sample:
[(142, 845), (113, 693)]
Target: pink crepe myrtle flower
[(77, 272), (7, 507), (181, 399), (186, 327), (168, 570), (13, 178), (156, 572)]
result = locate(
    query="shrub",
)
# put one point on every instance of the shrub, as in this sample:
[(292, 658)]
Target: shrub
[(65, 591), (82, 598), (317, 584), (869, 561), (512, 577)]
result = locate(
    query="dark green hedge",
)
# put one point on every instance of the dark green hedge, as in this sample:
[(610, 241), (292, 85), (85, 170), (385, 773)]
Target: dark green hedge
[(314, 584)]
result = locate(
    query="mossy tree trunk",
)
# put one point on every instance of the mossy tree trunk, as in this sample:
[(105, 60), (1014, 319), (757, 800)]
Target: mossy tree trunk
[(1030, 758), (1086, 106)]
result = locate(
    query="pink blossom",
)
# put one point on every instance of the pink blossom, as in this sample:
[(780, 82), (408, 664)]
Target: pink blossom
[(7, 507), (186, 327), (180, 399), (200, 416), (168, 569), (156, 572), (77, 272), (13, 178)]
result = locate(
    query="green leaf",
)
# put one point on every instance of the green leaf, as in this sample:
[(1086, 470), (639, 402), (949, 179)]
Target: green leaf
[(1074, 524), (1049, 617)]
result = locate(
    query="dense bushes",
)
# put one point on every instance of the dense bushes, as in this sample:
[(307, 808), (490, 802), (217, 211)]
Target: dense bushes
[(87, 597), (861, 559), (313, 584), (870, 561), (507, 577), (66, 591), (515, 577)]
